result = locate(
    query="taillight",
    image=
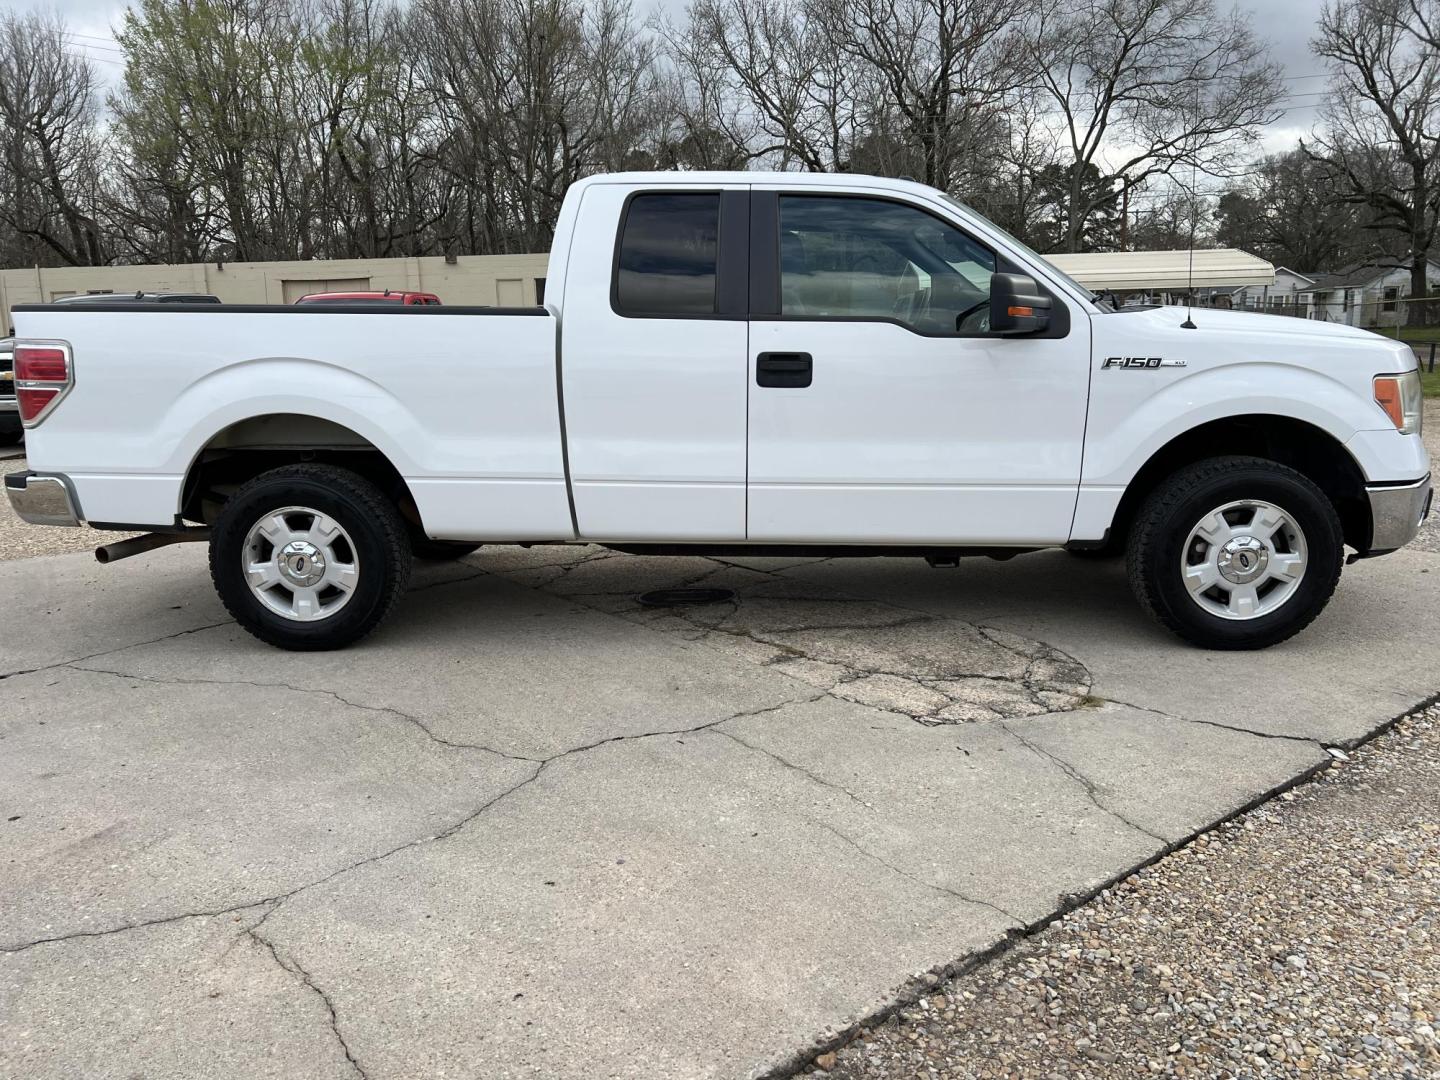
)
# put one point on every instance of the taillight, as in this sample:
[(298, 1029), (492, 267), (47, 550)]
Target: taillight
[(43, 373)]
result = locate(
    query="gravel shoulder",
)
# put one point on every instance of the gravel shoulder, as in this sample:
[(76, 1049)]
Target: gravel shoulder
[(21, 541), (1299, 940)]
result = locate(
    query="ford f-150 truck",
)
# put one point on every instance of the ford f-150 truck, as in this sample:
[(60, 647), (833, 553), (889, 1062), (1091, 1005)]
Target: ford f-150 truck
[(733, 362)]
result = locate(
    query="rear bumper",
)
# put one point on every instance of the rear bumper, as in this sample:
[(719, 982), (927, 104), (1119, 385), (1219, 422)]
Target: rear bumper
[(1396, 513), (42, 500)]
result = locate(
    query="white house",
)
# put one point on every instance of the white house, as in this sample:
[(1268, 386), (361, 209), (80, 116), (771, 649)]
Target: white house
[(1368, 293), (1283, 297)]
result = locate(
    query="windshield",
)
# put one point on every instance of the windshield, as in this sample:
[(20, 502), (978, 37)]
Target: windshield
[(1028, 250)]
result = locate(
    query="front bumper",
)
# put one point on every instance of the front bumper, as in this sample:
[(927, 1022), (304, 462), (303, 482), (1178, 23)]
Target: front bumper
[(42, 500), (1396, 514)]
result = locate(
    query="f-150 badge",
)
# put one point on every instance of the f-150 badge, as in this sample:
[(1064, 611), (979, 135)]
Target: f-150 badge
[(1143, 363)]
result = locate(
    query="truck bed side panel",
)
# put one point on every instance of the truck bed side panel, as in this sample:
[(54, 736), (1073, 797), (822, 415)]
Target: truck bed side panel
[(463, 405)]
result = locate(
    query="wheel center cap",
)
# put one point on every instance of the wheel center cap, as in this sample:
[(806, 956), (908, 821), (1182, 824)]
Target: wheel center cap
[(1243, 559), (301, 563)]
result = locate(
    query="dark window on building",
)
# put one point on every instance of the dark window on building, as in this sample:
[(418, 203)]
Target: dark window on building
[(539, 291), (668, 253), (1392, 293)]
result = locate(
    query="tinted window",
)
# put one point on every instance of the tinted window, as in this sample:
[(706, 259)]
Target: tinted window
[(668, 255), (867, 258)]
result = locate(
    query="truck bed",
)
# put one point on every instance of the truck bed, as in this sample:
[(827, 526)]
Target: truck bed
[(462, 400)]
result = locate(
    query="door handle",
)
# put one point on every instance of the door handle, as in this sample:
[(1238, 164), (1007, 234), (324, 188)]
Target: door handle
[(787, 370)]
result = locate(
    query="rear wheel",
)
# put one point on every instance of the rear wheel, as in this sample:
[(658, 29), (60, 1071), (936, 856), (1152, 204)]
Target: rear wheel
[(309, 556), (1235, 553)]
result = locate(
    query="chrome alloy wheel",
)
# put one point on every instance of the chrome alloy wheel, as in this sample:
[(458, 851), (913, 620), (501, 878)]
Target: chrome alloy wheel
[(1244, 559), (300, 564)]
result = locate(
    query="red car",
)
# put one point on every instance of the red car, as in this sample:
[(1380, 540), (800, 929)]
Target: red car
[(388, 296)]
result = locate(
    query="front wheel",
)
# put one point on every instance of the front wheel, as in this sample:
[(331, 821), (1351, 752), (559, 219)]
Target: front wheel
[(1235, 553), (309, 557)]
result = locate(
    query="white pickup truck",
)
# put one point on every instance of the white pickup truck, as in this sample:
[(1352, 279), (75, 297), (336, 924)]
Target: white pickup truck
[(733, 362)]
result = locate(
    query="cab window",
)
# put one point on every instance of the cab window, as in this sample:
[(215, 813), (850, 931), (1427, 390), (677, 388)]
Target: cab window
[(669, 246), (861, 258)]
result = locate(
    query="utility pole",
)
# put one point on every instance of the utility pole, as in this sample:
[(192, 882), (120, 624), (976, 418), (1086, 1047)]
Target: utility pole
[(1125, 218)]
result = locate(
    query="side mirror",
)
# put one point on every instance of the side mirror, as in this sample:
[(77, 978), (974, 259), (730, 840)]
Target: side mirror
[(1017, 306)]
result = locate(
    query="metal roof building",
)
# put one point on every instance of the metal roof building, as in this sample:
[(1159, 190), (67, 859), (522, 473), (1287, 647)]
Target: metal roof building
[(1166, 271)]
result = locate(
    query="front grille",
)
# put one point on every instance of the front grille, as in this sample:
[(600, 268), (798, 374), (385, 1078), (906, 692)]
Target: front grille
[(7, 370)]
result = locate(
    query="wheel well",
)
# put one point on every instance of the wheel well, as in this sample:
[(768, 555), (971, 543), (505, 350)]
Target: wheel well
[(1303, 447), (246, 449)]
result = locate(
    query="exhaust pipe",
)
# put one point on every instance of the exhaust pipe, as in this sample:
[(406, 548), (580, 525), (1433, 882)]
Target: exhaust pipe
[(138, 545)]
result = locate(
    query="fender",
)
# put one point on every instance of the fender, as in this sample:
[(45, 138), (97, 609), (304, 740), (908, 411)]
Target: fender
[(1119, 444), (314, 388)]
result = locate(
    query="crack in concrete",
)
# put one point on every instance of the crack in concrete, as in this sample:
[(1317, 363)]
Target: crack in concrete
[(275, 902), (908, 876), (118, 648), (787, 763), (427, 586), (76, 935), (1029, 686), (1092, 792), (176, 680), (695, 730), (1309, 740), (290, 964)]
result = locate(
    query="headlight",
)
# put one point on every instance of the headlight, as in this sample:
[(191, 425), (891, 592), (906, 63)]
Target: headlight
[(1399, 397)]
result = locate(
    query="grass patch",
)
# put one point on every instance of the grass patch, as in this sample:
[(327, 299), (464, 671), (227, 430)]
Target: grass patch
[(1430, 380), (1411, 333)]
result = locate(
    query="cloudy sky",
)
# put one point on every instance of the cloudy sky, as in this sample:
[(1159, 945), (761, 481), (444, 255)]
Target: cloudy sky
[(1287, 25)]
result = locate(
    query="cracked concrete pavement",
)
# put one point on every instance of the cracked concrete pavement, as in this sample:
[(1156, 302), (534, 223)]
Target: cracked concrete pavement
[(534, 827)]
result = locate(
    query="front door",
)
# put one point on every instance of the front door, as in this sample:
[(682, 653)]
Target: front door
[(881, 408)]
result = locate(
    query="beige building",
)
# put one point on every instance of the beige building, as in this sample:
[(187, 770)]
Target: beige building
[(489, 280)]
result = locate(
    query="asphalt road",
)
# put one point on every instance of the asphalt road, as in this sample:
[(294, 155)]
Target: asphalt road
[(532, 828)]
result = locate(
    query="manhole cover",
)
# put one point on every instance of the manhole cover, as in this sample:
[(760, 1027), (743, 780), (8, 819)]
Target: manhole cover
[(685, 597)]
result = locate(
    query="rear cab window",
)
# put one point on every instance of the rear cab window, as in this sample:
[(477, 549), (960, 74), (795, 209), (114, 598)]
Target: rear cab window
[(667, 259)]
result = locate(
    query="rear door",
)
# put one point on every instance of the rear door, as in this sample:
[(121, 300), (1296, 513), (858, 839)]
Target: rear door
[(654, 360), (881, 408)]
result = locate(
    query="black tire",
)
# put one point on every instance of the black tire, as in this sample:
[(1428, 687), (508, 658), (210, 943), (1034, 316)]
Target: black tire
[(440, 550), (381, 548), (11, 438), (1176, 506)]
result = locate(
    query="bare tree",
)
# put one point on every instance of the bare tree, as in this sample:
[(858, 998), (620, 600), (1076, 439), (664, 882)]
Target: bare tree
[(531, 95), (774, 80), (50, 144), (940, 68), (1141, 88), (1422, 19), (1381, 134), (1293, 210)]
